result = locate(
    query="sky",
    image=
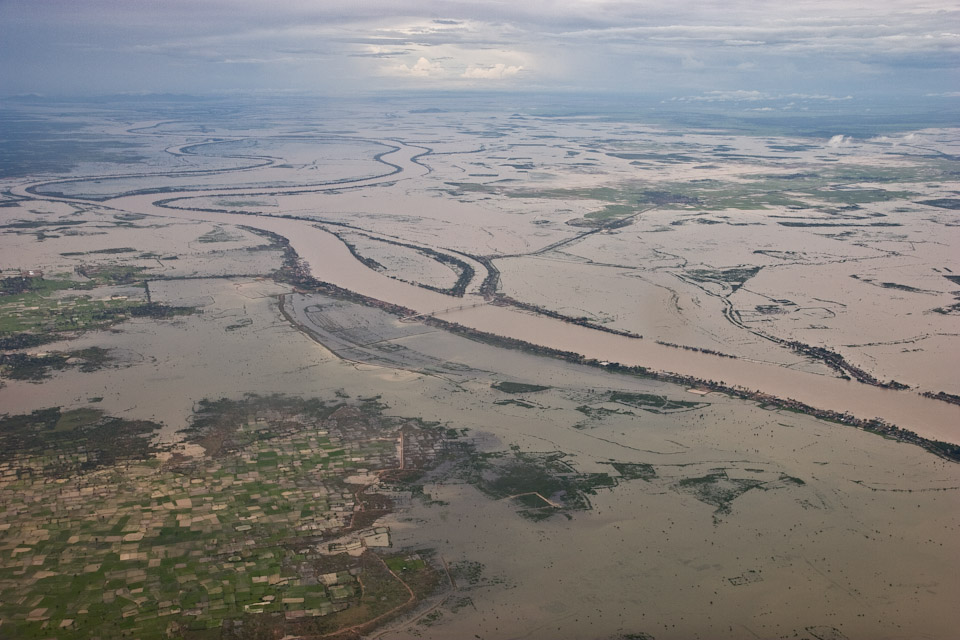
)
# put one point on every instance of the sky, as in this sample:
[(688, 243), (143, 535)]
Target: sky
[(700, 50)]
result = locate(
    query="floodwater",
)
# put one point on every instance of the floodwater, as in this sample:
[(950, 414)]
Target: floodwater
[(330, 261), (795, 559)]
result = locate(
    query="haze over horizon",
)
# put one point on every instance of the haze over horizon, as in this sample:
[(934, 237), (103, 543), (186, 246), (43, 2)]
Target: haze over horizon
[(744, 51)]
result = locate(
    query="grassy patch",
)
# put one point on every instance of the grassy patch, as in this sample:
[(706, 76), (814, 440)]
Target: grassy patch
[(35, 309), (635, 470), (518, 387), (535, 481), (405, 562), (515, 402), (652, 402), (717, 489), (60, 442), (218, 234), (598, 413), (611, 211), (24, 366), (733, 277), (112, 274)]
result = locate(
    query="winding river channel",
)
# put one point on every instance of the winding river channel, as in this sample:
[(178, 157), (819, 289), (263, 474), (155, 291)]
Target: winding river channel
[(330, 261)]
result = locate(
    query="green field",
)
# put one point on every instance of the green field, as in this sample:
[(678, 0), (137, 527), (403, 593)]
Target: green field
[(109, 542)]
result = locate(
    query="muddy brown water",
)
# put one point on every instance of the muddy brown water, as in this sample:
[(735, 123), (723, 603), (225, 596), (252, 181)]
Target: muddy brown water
[(330, 261)]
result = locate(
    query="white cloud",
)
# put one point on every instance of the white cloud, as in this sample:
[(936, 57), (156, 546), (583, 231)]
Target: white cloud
[(689, 62), (897, 47), (495, 72), (910, 137), (838, 141), (423, 68)]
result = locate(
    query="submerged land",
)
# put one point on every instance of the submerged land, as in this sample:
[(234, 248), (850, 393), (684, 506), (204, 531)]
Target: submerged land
[(307, 369)]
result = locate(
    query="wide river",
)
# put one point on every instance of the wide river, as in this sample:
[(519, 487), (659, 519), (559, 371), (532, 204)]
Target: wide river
[(331, 261)]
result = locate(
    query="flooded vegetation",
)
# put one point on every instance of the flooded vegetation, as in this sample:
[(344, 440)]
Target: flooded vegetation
[(269, 375)]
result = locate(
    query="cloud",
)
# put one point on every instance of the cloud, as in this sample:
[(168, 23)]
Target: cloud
[(838, 141), (691, 63), (898, 47), (910, 137), (423, 68), (498, 71)]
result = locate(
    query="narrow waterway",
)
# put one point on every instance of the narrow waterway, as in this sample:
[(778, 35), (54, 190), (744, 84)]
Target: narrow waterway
[(331, 261)]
